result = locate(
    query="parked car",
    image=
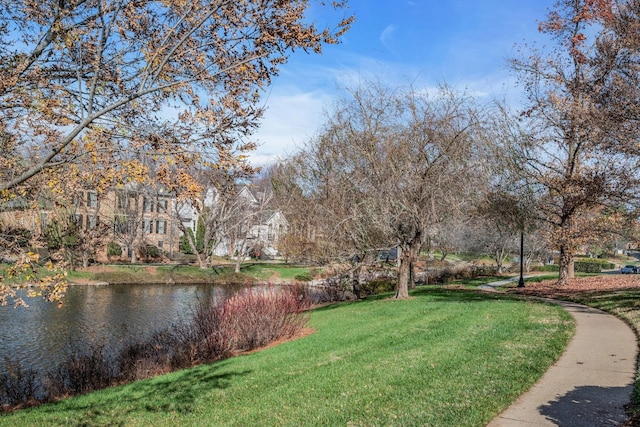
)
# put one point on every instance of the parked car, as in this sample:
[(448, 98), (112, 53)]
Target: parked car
[(628, 269)]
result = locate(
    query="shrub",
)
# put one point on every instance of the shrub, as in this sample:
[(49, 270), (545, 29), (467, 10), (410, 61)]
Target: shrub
[(548, 268), (254, 318), (149, 252), (305, 277), (114, 249), (457, 272), (592, 265), (377, 286), (21, 236), (153, 356), (185, 247), (337, 288), (18, 386), (83, 371)]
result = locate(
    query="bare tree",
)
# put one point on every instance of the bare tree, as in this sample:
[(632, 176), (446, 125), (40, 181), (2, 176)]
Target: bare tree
[(391, 164)]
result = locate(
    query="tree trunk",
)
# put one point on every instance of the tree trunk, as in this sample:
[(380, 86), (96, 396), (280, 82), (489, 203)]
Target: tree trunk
[(412, 274), (408, 256), (355, 281), (191, 239), (499, 259), (566, 265), (240, 255), (403, 272)]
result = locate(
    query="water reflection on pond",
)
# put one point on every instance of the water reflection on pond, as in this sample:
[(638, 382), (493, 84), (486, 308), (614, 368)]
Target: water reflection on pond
[(37, 336)]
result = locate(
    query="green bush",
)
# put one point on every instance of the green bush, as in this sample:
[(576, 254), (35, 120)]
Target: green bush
[(185, 247), (149, 251), (305, 277), (549, 267), (114, 249), (592, 265), (378, 286)]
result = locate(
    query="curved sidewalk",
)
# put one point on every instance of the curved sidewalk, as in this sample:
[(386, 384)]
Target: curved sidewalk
[(591, 382)]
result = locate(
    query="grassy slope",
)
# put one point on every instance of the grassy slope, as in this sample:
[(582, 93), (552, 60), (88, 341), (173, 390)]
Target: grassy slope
[(186, 274), (440, 358)]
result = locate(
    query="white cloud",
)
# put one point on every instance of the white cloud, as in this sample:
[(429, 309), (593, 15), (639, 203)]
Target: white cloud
[(387, 35), (292, 117)]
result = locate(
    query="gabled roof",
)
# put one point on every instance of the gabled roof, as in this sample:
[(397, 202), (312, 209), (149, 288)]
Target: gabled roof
[(267, 216)]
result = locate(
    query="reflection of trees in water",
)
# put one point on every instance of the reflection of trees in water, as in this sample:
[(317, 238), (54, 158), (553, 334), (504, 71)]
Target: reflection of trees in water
[(38, 336), (223, 322)]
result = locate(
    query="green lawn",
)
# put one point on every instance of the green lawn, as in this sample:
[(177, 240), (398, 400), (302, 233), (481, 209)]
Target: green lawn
[(138, 273), (441, 358), (265, 271)]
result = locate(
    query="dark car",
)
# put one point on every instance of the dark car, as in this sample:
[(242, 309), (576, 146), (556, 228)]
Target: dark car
[(628, 269)]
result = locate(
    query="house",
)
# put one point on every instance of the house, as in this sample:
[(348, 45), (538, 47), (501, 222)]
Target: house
[(250, 229), (141, 216), (133, 217), (263, 237)]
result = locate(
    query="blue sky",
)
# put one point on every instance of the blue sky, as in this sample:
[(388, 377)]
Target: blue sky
[(464, 43)]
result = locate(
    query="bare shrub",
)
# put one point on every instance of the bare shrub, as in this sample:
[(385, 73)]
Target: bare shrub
[(209, 339), (455, 272), (152, 356), (337, 288), (83, 371), (18, 386), (257, 317)]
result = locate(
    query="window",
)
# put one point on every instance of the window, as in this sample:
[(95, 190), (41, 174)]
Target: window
[(122, 200), (161, 227), (92, 222), (147, 226), (77, 199), (77, 219), (160, 244), (147, 204), (163, 204), (92, 199), (44, 219)]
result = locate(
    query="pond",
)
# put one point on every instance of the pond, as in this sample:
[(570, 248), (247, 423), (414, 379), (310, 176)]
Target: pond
[(39, 335)]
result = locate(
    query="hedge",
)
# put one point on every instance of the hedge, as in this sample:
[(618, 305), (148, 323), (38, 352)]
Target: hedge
[(592, 265)]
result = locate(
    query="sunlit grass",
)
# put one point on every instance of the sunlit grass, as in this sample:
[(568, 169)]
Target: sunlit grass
[(473, 283), (142, 273), (441, 358)]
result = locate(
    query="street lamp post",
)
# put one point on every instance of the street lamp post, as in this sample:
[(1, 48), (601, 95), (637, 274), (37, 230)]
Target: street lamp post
[(521, 281)]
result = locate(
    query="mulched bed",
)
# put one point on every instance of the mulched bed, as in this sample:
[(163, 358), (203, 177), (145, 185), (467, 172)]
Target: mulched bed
[(593, 284)]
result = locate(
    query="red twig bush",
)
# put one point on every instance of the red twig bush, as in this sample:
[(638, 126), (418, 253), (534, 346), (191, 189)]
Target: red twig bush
[(255, 318)]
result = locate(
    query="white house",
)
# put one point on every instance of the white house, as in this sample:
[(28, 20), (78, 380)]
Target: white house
[(266, 234), (265, 228)]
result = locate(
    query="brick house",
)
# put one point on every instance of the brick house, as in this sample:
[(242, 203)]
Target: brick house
[(134, 217)]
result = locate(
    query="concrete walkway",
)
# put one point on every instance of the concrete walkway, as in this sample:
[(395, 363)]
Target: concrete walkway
[(591, 382)]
